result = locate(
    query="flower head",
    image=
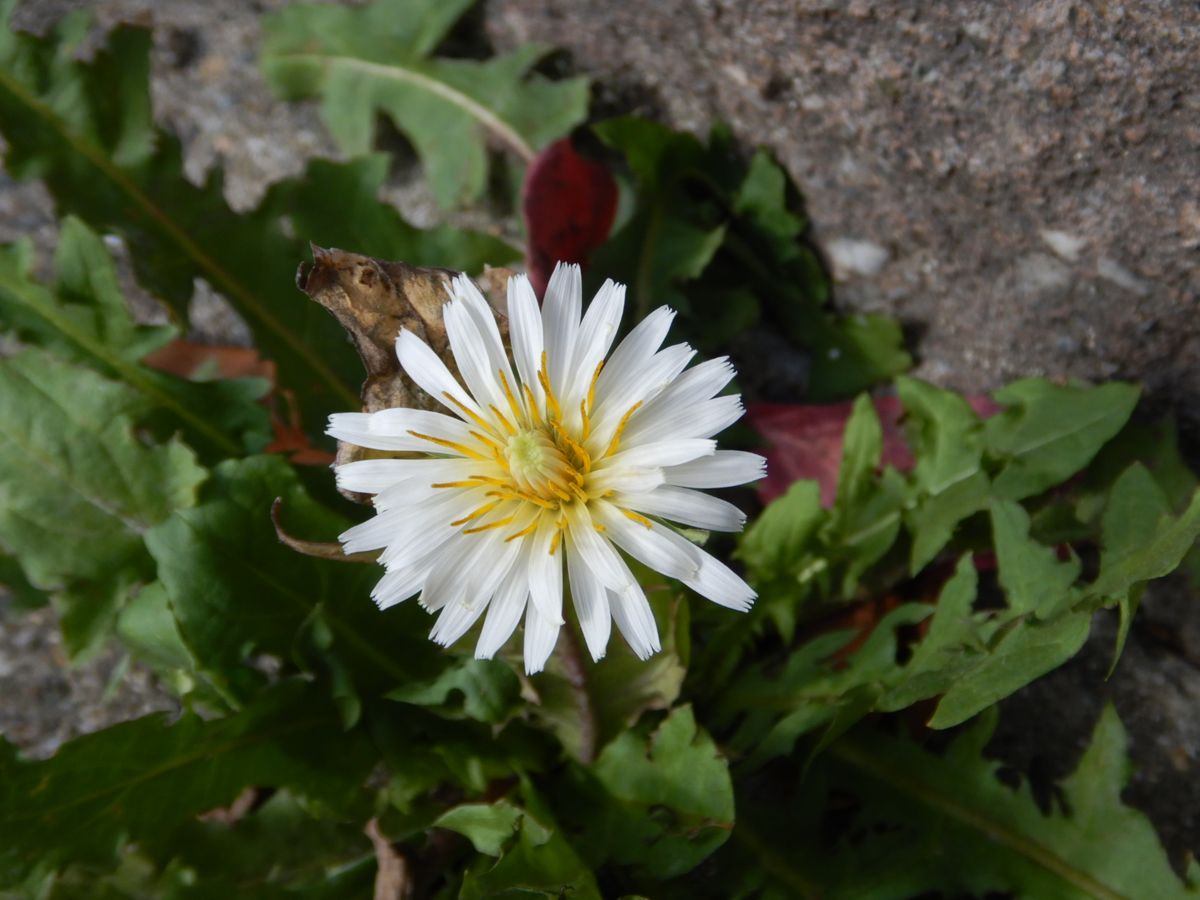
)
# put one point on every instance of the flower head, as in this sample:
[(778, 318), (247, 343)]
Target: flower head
[(572, 459)]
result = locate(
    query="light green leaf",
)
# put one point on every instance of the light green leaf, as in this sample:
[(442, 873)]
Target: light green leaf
[(947, 442), (1048, 432), (489, 691), (85, 320), (489, 827), (782, 532), (678, 772), (78, 488), (1027, 652), (143, 777), (377, 58), (1034, 579)]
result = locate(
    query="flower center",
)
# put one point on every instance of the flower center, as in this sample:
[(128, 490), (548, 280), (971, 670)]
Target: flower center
[(539, 466)]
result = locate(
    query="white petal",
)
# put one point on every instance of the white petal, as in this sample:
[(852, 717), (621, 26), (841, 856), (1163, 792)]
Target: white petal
[(635, 384), (485, 320), (702, 419), (472, 355), (650, 546), (424, 367), (591, 603), (596, 552), (401, 583), (454, 621), (469, 569), (661, 453), (541, 634), (370, 476), (419, 527), (699, 383), (721, 585), (391, 429), (625, 479), (525, 332), (561, 308), (635, 620), (686, 506), (504, 612), (596, 334), (725, 468), (545, 571), (636, 349)]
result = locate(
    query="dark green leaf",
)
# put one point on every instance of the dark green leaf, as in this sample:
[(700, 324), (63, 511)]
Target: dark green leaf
[(487, 691), (235, 590), (377, 58), (143, 777)]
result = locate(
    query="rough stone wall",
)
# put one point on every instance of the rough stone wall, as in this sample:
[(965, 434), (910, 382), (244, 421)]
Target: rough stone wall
[(1018, 181)]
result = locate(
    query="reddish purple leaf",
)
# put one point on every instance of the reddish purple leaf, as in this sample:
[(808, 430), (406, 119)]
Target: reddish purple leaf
[(569, 202), (805, 442)]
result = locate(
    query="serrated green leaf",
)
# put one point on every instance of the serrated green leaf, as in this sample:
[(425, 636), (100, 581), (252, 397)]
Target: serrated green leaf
[(85, 320), (879, 817), (1141, 542), (377, 59), (236, 590), (538, 860), (1048, 432), (143, 777), (947, 443), (1024, 654), (78, 488), (480, 689), (488, 826), (668, 801), (86, 130), (1034, 578)]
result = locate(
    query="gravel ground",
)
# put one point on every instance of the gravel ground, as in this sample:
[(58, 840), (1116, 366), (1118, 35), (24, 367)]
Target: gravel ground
[(1016, 181)]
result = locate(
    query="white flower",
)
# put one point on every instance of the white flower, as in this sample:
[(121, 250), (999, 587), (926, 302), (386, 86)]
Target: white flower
[(572, 457)]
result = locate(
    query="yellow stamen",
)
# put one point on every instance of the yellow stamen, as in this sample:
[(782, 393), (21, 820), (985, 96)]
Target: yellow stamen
[(474, 417), (478, 511), (483, 439), (529, 529), (641, 520), (508, 426), (535, 414), (470, 482), (512, 400), (452, 445), (600, 528), (616, 438), (552, 407), (511, 493), (499, 523), (591, 394), (586, 429), (555, 541)]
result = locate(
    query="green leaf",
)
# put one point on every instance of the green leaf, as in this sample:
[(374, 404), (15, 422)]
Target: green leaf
[(85, 320), (669, 800), (774, 544), (1048, 432), (78, 488), (142, 777), (235, 589), (1140, 541), (86, 130), (377, 59), (947, 443), (537, 860), (1034, 578), (880, 817), (725, 243), (489, 827), (489, 691)]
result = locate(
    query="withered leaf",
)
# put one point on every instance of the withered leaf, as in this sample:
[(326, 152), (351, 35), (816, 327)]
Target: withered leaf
[(374, 299)]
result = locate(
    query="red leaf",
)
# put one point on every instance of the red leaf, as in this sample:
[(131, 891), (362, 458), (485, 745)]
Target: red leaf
[(569, 202), (806, 441)]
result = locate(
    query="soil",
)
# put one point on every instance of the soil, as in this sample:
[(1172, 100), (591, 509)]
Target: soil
[(1017, 182)]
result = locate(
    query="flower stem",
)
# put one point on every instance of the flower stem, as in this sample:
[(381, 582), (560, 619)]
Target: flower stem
[(575, 670)]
